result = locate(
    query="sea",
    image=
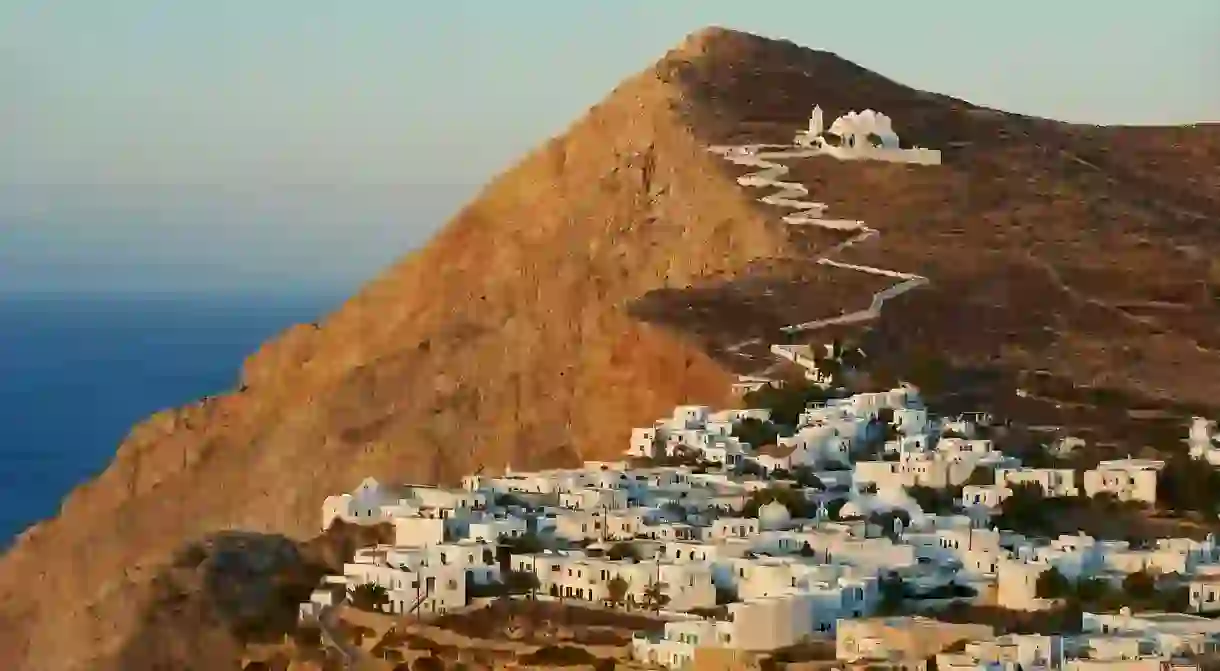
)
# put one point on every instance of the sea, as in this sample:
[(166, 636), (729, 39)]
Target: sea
[(76, 372)]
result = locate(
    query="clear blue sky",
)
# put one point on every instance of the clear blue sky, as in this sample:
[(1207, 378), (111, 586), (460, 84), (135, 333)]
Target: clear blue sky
[(181, 145)]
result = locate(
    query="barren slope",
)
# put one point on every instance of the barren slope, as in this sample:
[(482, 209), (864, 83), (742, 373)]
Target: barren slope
[(521, 333), (505, 339), (1087, 250)]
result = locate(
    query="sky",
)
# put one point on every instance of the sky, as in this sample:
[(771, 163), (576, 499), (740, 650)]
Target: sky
[(303, 145)]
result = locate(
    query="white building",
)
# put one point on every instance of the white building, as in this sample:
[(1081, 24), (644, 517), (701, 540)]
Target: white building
[(861, 135), (1124, 479), (1054, 482), (1204, 441), (363, 505)]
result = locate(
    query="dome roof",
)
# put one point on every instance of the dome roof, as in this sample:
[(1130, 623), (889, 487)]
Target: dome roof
[(773, 515)]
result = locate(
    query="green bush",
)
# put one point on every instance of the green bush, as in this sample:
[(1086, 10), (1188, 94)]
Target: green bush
[(756, 432), (559, 655), (786, 404)]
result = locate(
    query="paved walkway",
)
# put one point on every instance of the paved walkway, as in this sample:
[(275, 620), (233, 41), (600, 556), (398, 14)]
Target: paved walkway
[(765, 157)]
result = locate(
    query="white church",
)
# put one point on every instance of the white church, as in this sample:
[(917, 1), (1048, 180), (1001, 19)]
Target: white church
[(861, 135)]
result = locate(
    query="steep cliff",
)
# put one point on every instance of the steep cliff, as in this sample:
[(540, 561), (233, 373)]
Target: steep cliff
[(594, 285)]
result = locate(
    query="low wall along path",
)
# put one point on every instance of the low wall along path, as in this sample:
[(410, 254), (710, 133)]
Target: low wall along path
[(769, 175)]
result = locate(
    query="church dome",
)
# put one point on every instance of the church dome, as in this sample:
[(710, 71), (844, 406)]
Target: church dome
[(773, 515)]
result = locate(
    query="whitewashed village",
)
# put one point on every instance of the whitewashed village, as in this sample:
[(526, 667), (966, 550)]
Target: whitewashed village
[(859, 520), (755, 549)]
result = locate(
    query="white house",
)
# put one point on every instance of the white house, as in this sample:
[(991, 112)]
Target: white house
[(1054, 482), (1125, 479), (1205, 594), (861, 135), (363, 505), (419, 531), (1017, 584), (594, 498), (489, 527), (1010, 651), (644, 443), (1204, 441)]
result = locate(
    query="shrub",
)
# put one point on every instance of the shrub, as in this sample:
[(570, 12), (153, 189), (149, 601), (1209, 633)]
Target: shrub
[(623, 550), (307, 637), (1140, 585), (368, 596), (805, 477), (936, 501), (796, 503), (429, 663), (526, 543), (520, 582), (787, 404), (1052, 585), (559, 655), (756, 432)]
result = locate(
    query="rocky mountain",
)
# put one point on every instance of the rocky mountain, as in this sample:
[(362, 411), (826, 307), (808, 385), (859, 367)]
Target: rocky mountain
[(601, 280)]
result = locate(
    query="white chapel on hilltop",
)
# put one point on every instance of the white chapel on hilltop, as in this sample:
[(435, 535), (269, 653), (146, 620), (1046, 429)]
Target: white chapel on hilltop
[(861, 135)]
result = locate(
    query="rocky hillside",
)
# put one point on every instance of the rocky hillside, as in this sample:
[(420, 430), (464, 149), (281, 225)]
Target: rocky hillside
[(595, 285)]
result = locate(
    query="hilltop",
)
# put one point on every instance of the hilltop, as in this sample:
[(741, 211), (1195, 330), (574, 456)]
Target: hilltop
[(600, 281)]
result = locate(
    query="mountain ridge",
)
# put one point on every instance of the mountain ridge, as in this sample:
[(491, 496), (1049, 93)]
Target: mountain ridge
[(600, 281)]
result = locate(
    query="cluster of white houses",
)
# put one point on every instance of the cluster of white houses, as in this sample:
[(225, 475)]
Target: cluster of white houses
[(1108, 642), (773, 579)]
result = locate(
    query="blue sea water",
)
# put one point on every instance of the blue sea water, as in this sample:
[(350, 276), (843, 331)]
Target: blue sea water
[(77, 371)]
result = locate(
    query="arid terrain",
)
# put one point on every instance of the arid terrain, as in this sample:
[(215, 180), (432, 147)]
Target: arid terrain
[(597, 283)]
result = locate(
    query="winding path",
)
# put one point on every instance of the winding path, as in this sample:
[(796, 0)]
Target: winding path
[(769, 175), (327, 623)]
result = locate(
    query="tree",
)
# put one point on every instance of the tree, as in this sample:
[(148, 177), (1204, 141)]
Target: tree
[(885, 521), (786, 404), (616, 591), (368, 596), (805, 477), (507, 499), (655, 596), (1026, 511), (755, 432), (527, 543), (623, 550), (749, 467), (520, 582), (1140, 585), (429, 663), (934, 500), (1182, 486), (674, 510), (1093, 590), (1052, 584), (794, 500), (893, 591)]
